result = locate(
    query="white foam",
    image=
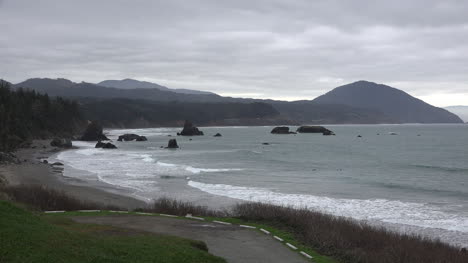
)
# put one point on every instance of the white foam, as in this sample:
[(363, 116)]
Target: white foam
[(389, 211), (209, 170)]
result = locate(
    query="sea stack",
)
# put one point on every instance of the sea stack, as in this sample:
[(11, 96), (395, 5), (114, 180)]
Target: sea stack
[(190, 130), (93, 133), (172, 144)]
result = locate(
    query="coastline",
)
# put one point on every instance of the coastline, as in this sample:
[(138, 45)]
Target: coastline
[(33, 171)]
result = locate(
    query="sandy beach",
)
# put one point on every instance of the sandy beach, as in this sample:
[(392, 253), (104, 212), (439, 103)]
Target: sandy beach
[(33, 171)]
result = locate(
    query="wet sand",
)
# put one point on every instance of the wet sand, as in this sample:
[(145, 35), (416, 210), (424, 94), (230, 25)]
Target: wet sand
[(33, 171)]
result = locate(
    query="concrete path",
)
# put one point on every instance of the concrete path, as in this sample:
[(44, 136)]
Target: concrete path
[(233, 243)]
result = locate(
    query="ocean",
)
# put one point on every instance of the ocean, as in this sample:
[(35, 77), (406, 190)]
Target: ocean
[(409, 178)]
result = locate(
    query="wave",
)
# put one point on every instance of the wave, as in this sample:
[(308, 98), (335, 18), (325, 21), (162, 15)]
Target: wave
[(380, 210), (441, 168), (210, 170)]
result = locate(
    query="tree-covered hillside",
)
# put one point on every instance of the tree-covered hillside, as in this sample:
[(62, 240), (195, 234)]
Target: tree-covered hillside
[(126, 113), (26, 115)]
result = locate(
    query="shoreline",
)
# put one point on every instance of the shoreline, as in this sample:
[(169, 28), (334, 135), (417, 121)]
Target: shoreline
[(32, 171)]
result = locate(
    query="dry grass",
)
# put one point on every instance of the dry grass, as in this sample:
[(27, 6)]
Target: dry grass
[(343, 239), (180, 208), (349, 241), (42, 198)]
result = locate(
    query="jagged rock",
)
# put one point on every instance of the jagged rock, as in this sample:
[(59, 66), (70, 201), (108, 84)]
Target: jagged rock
[(315, 129), (45, 161), (132, 137), (8, 158), (105, 145), (281, 130), (217, 135), (190, 130), (62, 143), (93, 133), (172, 144)]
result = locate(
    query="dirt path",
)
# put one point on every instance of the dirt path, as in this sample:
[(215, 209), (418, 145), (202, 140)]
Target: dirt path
[(233, 243)]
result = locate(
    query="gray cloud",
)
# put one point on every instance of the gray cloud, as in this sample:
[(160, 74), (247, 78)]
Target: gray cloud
[(295, 49)]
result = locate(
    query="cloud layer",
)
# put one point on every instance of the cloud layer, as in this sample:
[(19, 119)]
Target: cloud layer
[(294, 49)]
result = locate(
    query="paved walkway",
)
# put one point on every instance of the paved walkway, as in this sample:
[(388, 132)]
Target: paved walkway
[(233, 243)]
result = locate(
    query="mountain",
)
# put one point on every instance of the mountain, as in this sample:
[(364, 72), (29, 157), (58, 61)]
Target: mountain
[(125, 113), (393, 103), (136, 84), (45, 83), (461, 111), (67, 88), (359, 103)]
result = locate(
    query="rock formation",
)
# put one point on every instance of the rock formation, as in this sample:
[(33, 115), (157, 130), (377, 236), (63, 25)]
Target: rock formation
[(93, 133), (172, 144), (132, 137), (105, 145), (315, 129), (61, 143), (190, 130), (281, 130)]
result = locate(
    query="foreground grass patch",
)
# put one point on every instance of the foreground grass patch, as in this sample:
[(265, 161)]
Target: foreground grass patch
[(26, 237), (288, 237)]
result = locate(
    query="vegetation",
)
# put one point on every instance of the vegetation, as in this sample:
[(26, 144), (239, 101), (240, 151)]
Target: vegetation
[(45, 199), (26, 237), (26, 115), (145, 113), (347, 240), (318, 234)]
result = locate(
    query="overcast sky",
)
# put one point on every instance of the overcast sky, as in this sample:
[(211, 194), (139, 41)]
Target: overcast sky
[(290, 49)]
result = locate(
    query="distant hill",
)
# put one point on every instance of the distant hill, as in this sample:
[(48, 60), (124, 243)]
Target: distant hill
[(125, 113), (67, 88), (461, 111), (136, 84), (394, 103), (360, 103), (45, 83)]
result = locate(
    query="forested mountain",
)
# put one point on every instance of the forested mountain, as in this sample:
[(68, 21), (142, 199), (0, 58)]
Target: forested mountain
[(136, 84), (359, 102), (394, 103), (26, 115), (89, 90), (123, 113)]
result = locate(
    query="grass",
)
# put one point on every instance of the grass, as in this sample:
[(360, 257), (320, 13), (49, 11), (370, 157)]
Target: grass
[(26, 237), (42, 198), (287, 236), (327, 238), (347, 240)]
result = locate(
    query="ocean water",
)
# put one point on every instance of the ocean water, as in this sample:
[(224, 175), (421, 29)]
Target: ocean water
[(415, 181)]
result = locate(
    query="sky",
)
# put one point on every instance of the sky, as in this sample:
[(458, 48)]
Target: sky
[(289, 49)]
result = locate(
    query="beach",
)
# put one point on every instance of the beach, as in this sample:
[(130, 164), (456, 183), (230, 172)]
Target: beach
[(33, 171)]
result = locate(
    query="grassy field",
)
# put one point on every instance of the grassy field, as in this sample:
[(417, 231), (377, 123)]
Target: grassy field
[(26, 237), (287, 236)]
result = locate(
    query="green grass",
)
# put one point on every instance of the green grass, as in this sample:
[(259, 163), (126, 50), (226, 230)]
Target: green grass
[(286, 235), (26, 237)]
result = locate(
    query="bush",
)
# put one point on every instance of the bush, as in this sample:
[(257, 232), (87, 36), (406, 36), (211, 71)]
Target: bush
[(175, 207), (348, 240), (45, 199)]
